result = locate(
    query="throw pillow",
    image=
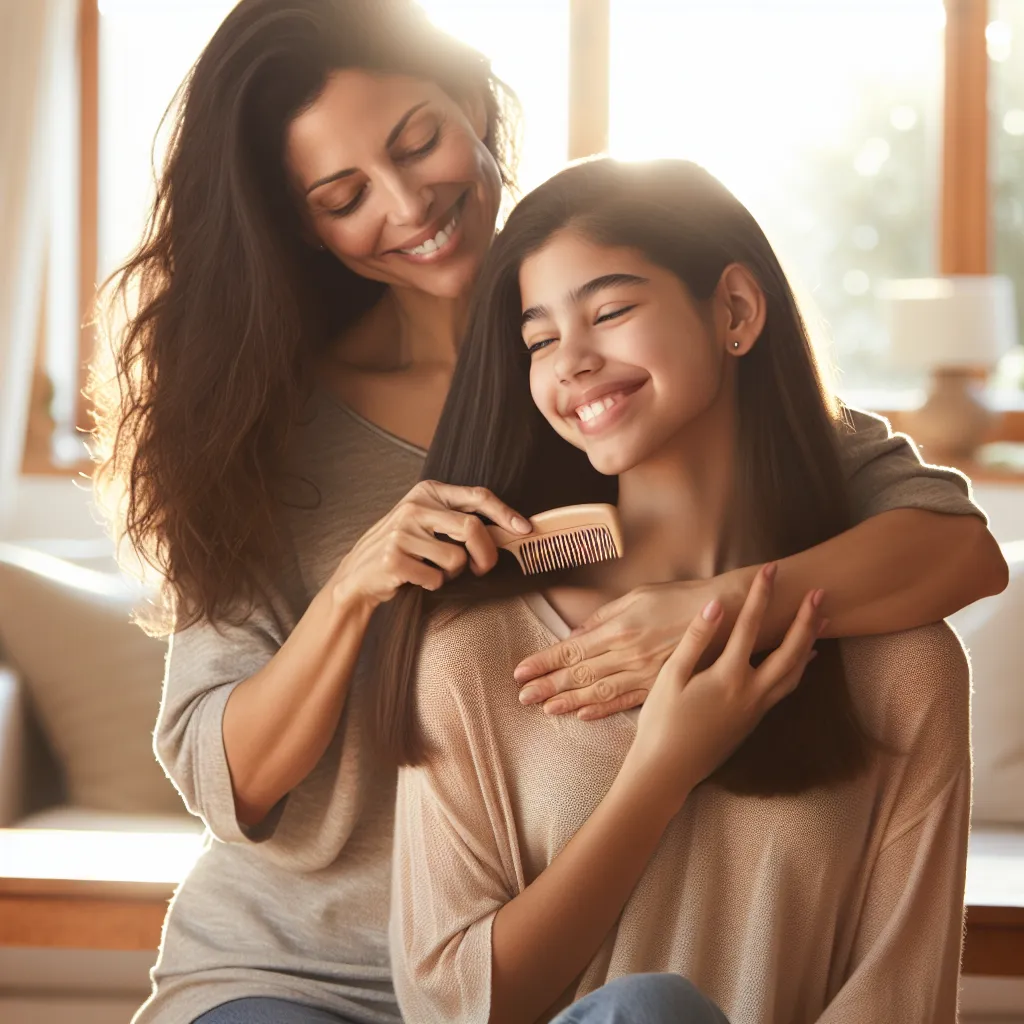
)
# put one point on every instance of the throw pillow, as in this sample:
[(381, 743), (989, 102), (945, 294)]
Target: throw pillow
[(93, 678)]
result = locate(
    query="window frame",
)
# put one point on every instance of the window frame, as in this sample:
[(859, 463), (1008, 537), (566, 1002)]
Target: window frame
[(964, 207)]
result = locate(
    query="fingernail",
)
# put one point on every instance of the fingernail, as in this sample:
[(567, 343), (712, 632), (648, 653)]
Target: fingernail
[(528, 695), (521, 525), (819, 596), (556, 707), (769, 571), (822, 626), (521, 674), (711, 610)]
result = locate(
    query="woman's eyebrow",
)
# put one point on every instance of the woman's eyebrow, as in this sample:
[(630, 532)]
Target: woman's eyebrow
[(584, 291), (388, 143)]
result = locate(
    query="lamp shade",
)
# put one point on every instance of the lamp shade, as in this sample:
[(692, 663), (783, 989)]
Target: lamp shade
[(956, 321)]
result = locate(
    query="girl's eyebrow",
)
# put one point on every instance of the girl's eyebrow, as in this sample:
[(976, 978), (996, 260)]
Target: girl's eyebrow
[(584, 291), (392, 137)]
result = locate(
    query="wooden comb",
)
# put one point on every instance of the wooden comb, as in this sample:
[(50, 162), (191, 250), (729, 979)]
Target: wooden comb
[(564, 538)]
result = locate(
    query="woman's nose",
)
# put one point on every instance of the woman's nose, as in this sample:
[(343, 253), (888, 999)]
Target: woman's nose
[(410, 203)]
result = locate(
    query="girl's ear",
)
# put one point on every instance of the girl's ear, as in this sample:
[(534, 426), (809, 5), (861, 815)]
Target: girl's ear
[(743, 309)]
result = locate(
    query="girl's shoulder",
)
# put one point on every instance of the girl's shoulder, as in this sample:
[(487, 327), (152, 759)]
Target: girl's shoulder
[(912, 689)]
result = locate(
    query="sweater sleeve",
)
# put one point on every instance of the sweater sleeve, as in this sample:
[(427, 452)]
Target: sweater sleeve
[(901, 960), (455, 859), (884, 471), (204, 665), (906, 956)]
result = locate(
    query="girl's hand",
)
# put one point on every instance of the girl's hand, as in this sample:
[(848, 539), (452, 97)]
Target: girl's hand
[(609, 663), (693, 721), (400, 547)]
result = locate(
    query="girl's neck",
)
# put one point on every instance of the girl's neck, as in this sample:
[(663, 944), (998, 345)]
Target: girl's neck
[(675, 505), (676, 514)]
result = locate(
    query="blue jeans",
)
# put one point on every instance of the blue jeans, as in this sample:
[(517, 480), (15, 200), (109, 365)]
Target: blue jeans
[(633, 999), (644, 999), (261, 1010)]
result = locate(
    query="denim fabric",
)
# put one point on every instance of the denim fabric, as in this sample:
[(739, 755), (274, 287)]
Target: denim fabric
[(644, 999), (260, 1010)]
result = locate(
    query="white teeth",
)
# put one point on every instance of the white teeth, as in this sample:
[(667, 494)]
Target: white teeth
[(439, 241), (592, 410)]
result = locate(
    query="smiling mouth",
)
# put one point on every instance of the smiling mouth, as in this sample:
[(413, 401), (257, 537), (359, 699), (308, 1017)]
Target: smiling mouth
[(443, 237), (590, 412)]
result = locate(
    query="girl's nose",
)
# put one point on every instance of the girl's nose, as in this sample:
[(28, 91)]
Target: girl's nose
[(575, 358)]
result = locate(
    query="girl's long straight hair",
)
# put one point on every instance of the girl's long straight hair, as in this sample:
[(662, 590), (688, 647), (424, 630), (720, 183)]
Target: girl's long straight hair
[(790, 491)]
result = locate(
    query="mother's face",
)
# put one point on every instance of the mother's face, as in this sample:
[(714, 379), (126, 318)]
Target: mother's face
[(396, 180)]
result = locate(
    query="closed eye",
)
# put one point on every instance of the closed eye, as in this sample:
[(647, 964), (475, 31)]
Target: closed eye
[(614, 313), (424, 149), (538, 345), (350, 207)]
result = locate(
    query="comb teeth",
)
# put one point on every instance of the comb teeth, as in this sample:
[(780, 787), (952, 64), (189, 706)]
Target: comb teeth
[(566, 550)]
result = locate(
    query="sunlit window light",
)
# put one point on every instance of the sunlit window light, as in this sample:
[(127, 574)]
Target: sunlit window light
[(999, 40)]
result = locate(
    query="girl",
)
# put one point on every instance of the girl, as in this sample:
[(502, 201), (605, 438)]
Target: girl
[(288, 350), (633, 324)]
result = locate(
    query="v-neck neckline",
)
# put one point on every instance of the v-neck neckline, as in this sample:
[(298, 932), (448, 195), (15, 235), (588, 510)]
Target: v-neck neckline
[(381, 432)]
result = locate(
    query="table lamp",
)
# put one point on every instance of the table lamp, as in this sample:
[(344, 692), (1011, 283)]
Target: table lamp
[(952, 327)]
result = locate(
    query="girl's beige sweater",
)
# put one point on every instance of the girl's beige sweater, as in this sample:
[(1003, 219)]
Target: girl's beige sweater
[(841, 905)]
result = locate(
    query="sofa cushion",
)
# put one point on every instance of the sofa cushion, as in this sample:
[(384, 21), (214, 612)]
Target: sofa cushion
[(992, 632), (93, 678)]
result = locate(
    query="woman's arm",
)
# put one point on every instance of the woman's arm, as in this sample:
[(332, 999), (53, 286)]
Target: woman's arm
[(246, 719), (920, 552), (895, 571), (278, 722)]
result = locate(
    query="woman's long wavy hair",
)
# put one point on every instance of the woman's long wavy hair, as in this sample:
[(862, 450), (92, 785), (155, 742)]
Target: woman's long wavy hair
[(213, 323), (789, 491)]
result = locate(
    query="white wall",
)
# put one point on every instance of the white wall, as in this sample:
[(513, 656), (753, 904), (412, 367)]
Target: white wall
[(1004, 504), (47, 507)]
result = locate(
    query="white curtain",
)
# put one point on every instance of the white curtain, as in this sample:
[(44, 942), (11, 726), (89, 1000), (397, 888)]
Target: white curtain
[(36, 36)]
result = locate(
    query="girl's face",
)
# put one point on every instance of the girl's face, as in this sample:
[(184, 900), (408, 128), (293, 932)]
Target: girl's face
[(622, 358), (395, 180)]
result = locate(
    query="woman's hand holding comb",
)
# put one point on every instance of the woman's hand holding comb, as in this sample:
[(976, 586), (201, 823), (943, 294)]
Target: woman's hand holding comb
[(404, 546)]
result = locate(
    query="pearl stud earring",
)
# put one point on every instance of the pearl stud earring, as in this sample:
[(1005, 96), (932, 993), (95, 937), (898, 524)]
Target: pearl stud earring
[(735, 344)]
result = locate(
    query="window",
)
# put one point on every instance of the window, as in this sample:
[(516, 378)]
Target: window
[(1005, 43), (824, 116), (528, 44), (829, 135), (146, 49)]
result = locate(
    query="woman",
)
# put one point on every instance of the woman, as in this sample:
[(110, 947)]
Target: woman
[(286, 356), (633, 323)]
